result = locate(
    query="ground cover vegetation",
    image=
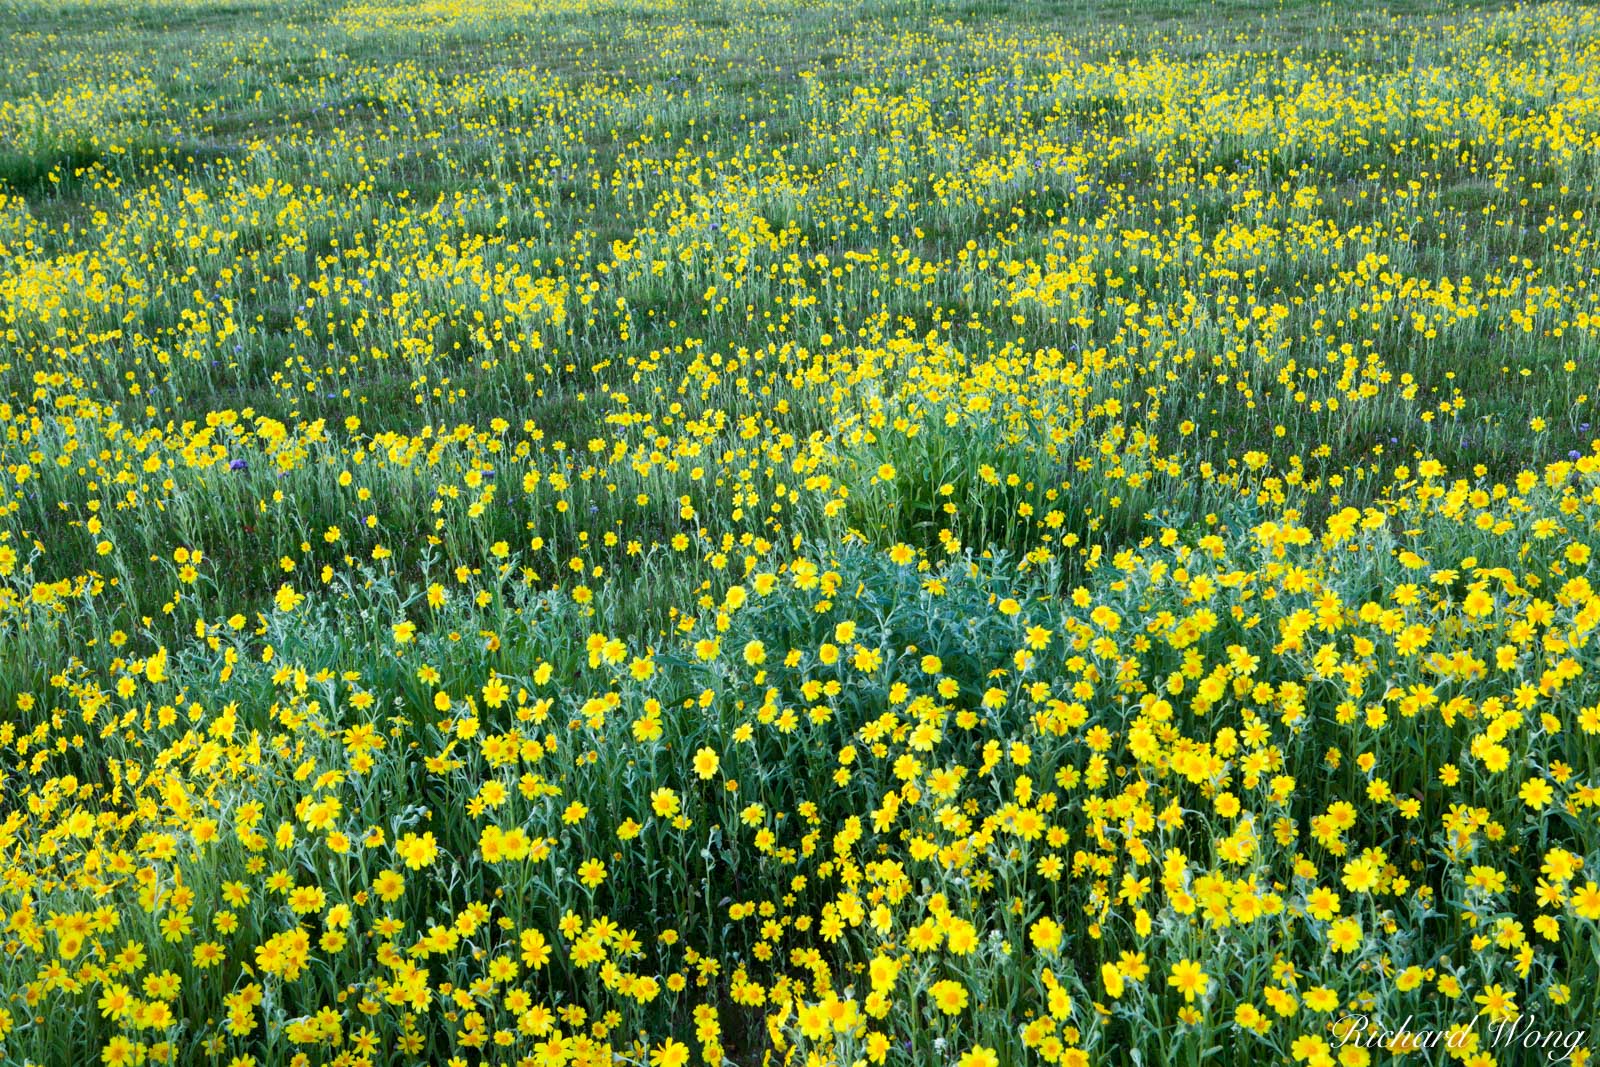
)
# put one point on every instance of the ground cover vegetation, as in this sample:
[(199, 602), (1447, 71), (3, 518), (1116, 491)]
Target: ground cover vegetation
[(666, 531)]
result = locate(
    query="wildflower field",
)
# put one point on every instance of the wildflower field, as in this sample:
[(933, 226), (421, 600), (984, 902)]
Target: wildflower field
[(915, 532)]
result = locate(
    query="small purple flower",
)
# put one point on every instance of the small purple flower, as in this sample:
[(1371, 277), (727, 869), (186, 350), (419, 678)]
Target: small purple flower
[(238, 465), (1574, 454)]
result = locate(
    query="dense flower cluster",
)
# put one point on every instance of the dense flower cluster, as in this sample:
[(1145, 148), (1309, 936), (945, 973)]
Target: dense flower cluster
[(578, 533)]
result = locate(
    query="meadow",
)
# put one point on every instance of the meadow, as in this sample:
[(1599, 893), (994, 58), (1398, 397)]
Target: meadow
[(914, 532)]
